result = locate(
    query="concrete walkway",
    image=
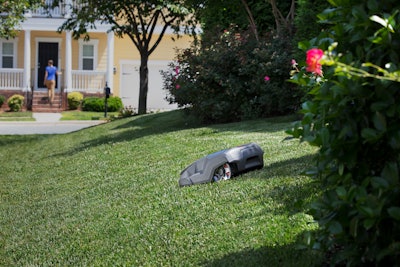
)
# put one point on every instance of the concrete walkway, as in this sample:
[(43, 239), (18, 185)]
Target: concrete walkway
[(46, 123)]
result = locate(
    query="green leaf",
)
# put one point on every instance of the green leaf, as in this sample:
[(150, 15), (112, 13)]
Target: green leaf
[(391, 173), (394, 212), (369, 134), (383, 22), (335, 228), (369, 223), (379, 121), (324, 135), (381, 105), (366, 211), (304, 45), (354, 226), (341, 169), (341, 192), (373, 4), (379, 182)]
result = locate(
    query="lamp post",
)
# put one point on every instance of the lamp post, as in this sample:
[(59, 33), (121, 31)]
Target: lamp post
[(107, 92)]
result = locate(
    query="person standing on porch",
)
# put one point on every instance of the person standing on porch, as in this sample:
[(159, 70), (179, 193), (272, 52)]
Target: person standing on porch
[(50, 79)]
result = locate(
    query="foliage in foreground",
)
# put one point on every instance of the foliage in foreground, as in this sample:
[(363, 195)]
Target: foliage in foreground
[(109, 195), (353, 117)]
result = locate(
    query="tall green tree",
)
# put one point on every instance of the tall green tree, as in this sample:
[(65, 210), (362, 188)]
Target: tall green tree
[(136, 19), (259, 16), (12, 13)]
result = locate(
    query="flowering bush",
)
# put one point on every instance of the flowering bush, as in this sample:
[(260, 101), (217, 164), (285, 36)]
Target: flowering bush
[(313, 61), (15, 102), (351, 114), (74, 100), (233, 78)]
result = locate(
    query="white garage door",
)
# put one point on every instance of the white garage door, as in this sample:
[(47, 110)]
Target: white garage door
[(129, 91)]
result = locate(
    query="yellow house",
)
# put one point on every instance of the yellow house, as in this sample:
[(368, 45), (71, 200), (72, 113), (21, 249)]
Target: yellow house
[(86, 66)]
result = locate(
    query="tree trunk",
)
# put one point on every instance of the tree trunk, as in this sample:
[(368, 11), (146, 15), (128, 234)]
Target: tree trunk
[(144, 83), (252, 22), (284, 25)]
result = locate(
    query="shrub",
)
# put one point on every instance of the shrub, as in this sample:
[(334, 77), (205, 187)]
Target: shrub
[(15, 102), (127, 112), (97, 104), (353, 116), (93, 104), (74, 100), (114, 104), (233, 78), (2, 100)]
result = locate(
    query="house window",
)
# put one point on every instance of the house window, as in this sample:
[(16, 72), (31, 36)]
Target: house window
[(8, 57), (88, 54)]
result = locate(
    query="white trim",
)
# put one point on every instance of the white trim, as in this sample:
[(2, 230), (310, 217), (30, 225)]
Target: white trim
[(110, 61), (27, 61), (137, 62), (52, 24), (15, 51), (68, 61), (95, 44)]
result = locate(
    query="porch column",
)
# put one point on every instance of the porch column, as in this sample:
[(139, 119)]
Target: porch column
[(110, 60), (68, 62), (27, 61)]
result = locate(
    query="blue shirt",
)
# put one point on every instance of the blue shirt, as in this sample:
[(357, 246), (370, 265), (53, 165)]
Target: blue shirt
[(51, 72)]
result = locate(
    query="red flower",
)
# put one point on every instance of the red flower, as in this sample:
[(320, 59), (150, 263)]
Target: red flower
[(313, 61)]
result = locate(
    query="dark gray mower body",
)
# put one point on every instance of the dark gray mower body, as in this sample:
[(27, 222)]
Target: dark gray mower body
[(240, 159)]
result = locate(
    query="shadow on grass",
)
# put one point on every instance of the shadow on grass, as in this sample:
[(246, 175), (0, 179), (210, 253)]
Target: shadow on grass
[(167, 122), (282, 256), (9, 140), (296, 165), (178, 120), (296, 196)]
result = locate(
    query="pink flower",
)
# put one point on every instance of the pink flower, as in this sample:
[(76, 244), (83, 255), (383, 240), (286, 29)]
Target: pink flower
[(176, 70), (177, 86), (267, 78), (313, 61), (294, 63)]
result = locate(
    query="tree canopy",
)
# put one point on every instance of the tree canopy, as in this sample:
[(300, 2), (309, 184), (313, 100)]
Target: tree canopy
[(144, 22), (13, 13)]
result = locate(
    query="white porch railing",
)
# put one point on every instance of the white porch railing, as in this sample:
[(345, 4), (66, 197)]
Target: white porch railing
[(88, 81), (11, 79), (61, 10), (85, 81)]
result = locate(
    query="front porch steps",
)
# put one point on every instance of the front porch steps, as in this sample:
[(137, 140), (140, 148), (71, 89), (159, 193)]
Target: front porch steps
[(40, 102)]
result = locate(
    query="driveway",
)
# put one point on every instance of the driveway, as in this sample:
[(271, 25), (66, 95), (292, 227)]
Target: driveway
[(46, 123)]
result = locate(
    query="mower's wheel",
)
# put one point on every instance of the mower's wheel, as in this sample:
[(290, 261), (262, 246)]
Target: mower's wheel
[(223, 172)]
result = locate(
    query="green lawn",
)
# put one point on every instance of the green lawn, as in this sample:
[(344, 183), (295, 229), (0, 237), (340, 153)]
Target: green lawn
[(66, 115), (85, 115), (16, 116), (109, 196)]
